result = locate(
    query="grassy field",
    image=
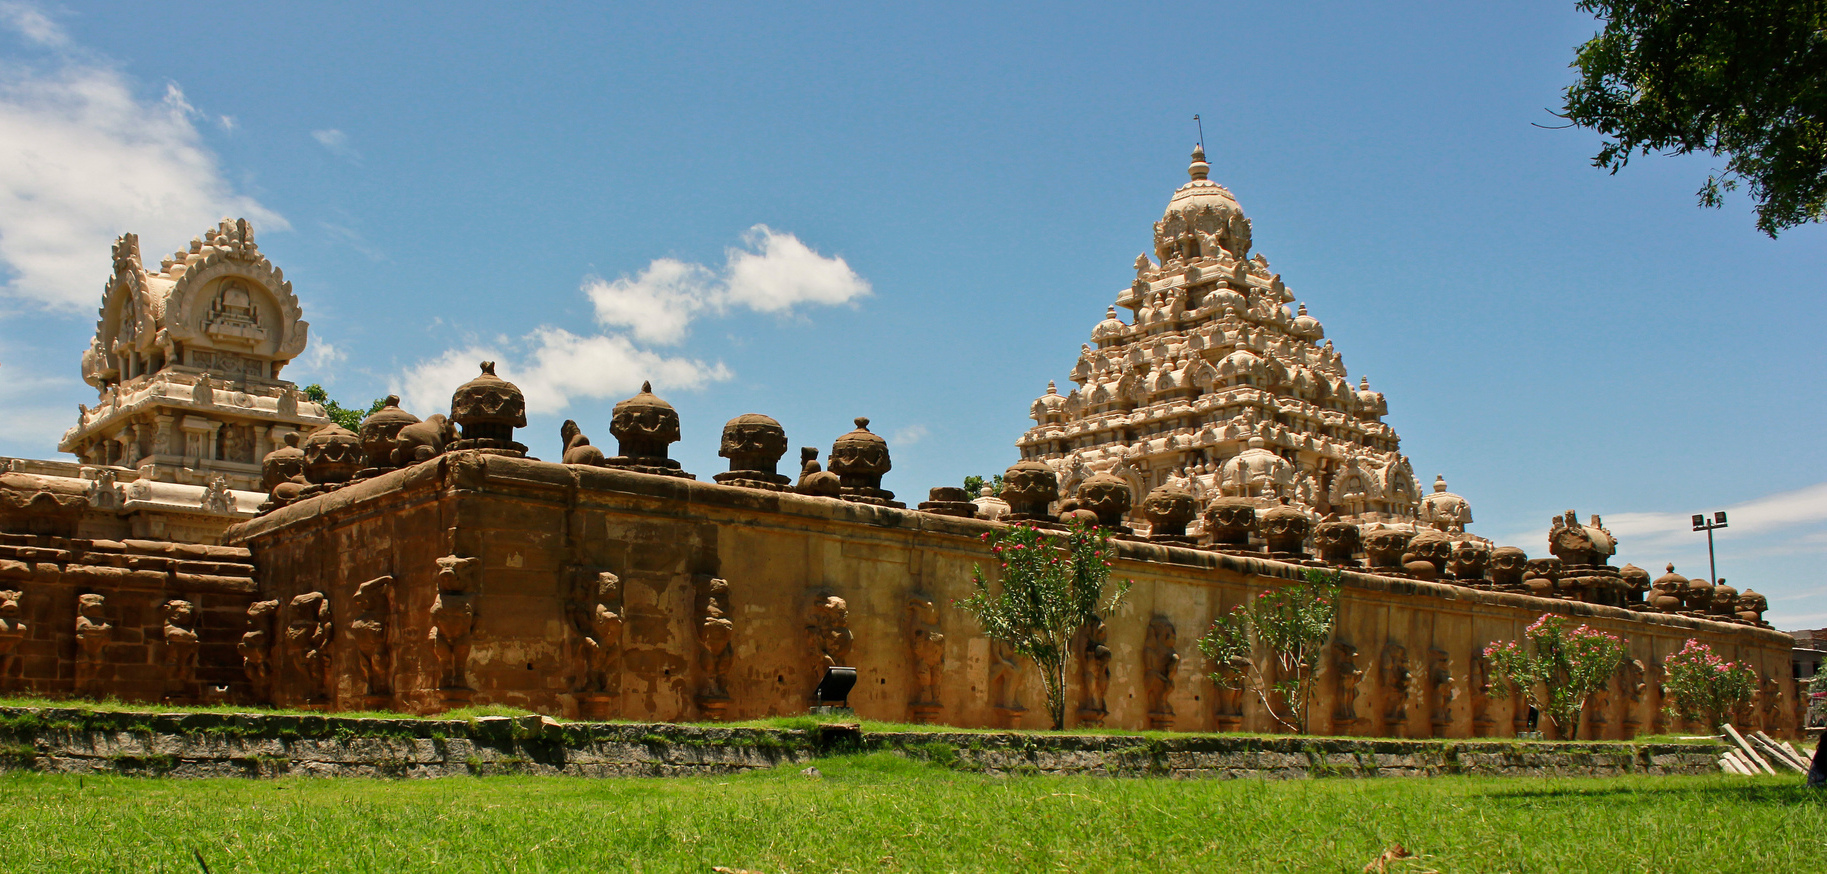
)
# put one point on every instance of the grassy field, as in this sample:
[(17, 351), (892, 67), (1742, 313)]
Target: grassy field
[(883, 813)]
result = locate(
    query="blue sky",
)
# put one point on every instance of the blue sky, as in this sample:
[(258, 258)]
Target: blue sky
[(916, 213)]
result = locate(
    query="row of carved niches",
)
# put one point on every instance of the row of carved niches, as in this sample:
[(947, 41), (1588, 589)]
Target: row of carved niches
[(96, 657)]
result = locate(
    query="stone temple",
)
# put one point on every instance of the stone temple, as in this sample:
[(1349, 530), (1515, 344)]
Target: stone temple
[(1212, 383), (218, 539)]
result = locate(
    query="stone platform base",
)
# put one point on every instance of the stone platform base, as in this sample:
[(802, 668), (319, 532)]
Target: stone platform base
[(71, 741)]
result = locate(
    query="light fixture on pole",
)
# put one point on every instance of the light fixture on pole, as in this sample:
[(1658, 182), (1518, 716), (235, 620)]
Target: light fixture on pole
[(1701, 524)]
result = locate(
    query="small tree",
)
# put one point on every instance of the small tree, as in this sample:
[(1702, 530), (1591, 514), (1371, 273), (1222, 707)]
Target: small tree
[(1293, 624), (1817, 699), (973, 485), (1564, 669), (1704, 687), (345, 416), (1051, 585)]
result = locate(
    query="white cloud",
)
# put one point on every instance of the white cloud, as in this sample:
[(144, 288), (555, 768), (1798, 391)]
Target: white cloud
[(1758, 517), (33, 24), (337, 143), (321, 355), (774, 274), (552, 366), (657, 305), (909, 435), (783, 272), (84, 159)]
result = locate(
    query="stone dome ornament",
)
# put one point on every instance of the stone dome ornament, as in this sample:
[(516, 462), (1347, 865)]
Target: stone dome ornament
[(488, 409), (1445, 511), (1168, 509), (1284, 531), (282, 473), (754, 444), (332, 455), (644, 426), (378, 432), (1030, 488), (860, 459), (1109, 497)]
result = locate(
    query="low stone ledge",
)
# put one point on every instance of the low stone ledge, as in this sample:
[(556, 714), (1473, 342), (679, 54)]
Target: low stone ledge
[(75, 741)]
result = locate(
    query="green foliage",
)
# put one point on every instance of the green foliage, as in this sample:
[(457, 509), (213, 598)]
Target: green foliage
[(1817, 698), (973, 485), (1051, 586), (1292, 625), (1562, 670), (1704, 687), (341, 415), (1743, 80)]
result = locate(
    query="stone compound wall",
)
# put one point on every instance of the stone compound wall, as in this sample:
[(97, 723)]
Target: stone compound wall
[(255, 745), (525, 543), (39, 652)]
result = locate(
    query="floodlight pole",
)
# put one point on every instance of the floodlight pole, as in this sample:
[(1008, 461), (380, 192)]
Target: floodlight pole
[(1702, 524)]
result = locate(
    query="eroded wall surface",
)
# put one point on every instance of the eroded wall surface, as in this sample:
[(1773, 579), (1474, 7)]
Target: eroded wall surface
[(532, 540)]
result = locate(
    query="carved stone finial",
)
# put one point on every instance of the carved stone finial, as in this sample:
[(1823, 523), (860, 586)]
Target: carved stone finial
[(488, 409), (1198, 170), (644, 426), (754, 444), (860, 459)]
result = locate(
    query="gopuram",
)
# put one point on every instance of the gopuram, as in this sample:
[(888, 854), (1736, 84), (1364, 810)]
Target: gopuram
[(422, 564)]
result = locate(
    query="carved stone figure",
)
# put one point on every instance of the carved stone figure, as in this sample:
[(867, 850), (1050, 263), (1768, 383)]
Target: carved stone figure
[(1427, 555), (1580, 545), (380, 433), (1029, 487), (860, 458), (754, 444), (1631, 679), (1468, 562), (308, 635), (1094, 666), (1345, 678), (1161, 664), (829, 634), (600, 621), (1228, 522), (1005, 677), (814, 480), (1337, 542), (716, 636), (1168, 509), (1542, 577), (927, 645), (453, 617), (12, 632), (644, 427), (256, 647), (488, 409), (1108, 496), (1508, 564), (180, 635), (577, 447), (1285, 529), (369, 632), (1397, 681), (1442, 689), (93, 634), (422, 441), (1384, 548), (1480, 685)]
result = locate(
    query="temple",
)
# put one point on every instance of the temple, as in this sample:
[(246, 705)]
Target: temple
[(1214, 385), (220, 540)]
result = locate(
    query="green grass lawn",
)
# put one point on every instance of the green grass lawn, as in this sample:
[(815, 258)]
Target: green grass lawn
[(881, 812)]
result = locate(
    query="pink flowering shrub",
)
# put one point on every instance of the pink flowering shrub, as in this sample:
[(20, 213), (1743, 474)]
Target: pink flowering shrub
[(1052, 584), (1705, 688), (1556, 669), (1292, 624)]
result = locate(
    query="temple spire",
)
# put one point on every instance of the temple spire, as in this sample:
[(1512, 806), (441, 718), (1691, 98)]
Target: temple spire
[(1199, 169)]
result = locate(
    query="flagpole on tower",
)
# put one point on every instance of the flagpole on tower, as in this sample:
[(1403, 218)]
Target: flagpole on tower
[(1201, 130)]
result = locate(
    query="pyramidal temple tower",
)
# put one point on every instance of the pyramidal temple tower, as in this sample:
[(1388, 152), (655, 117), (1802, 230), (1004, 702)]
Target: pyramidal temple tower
[(1213, 384)]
